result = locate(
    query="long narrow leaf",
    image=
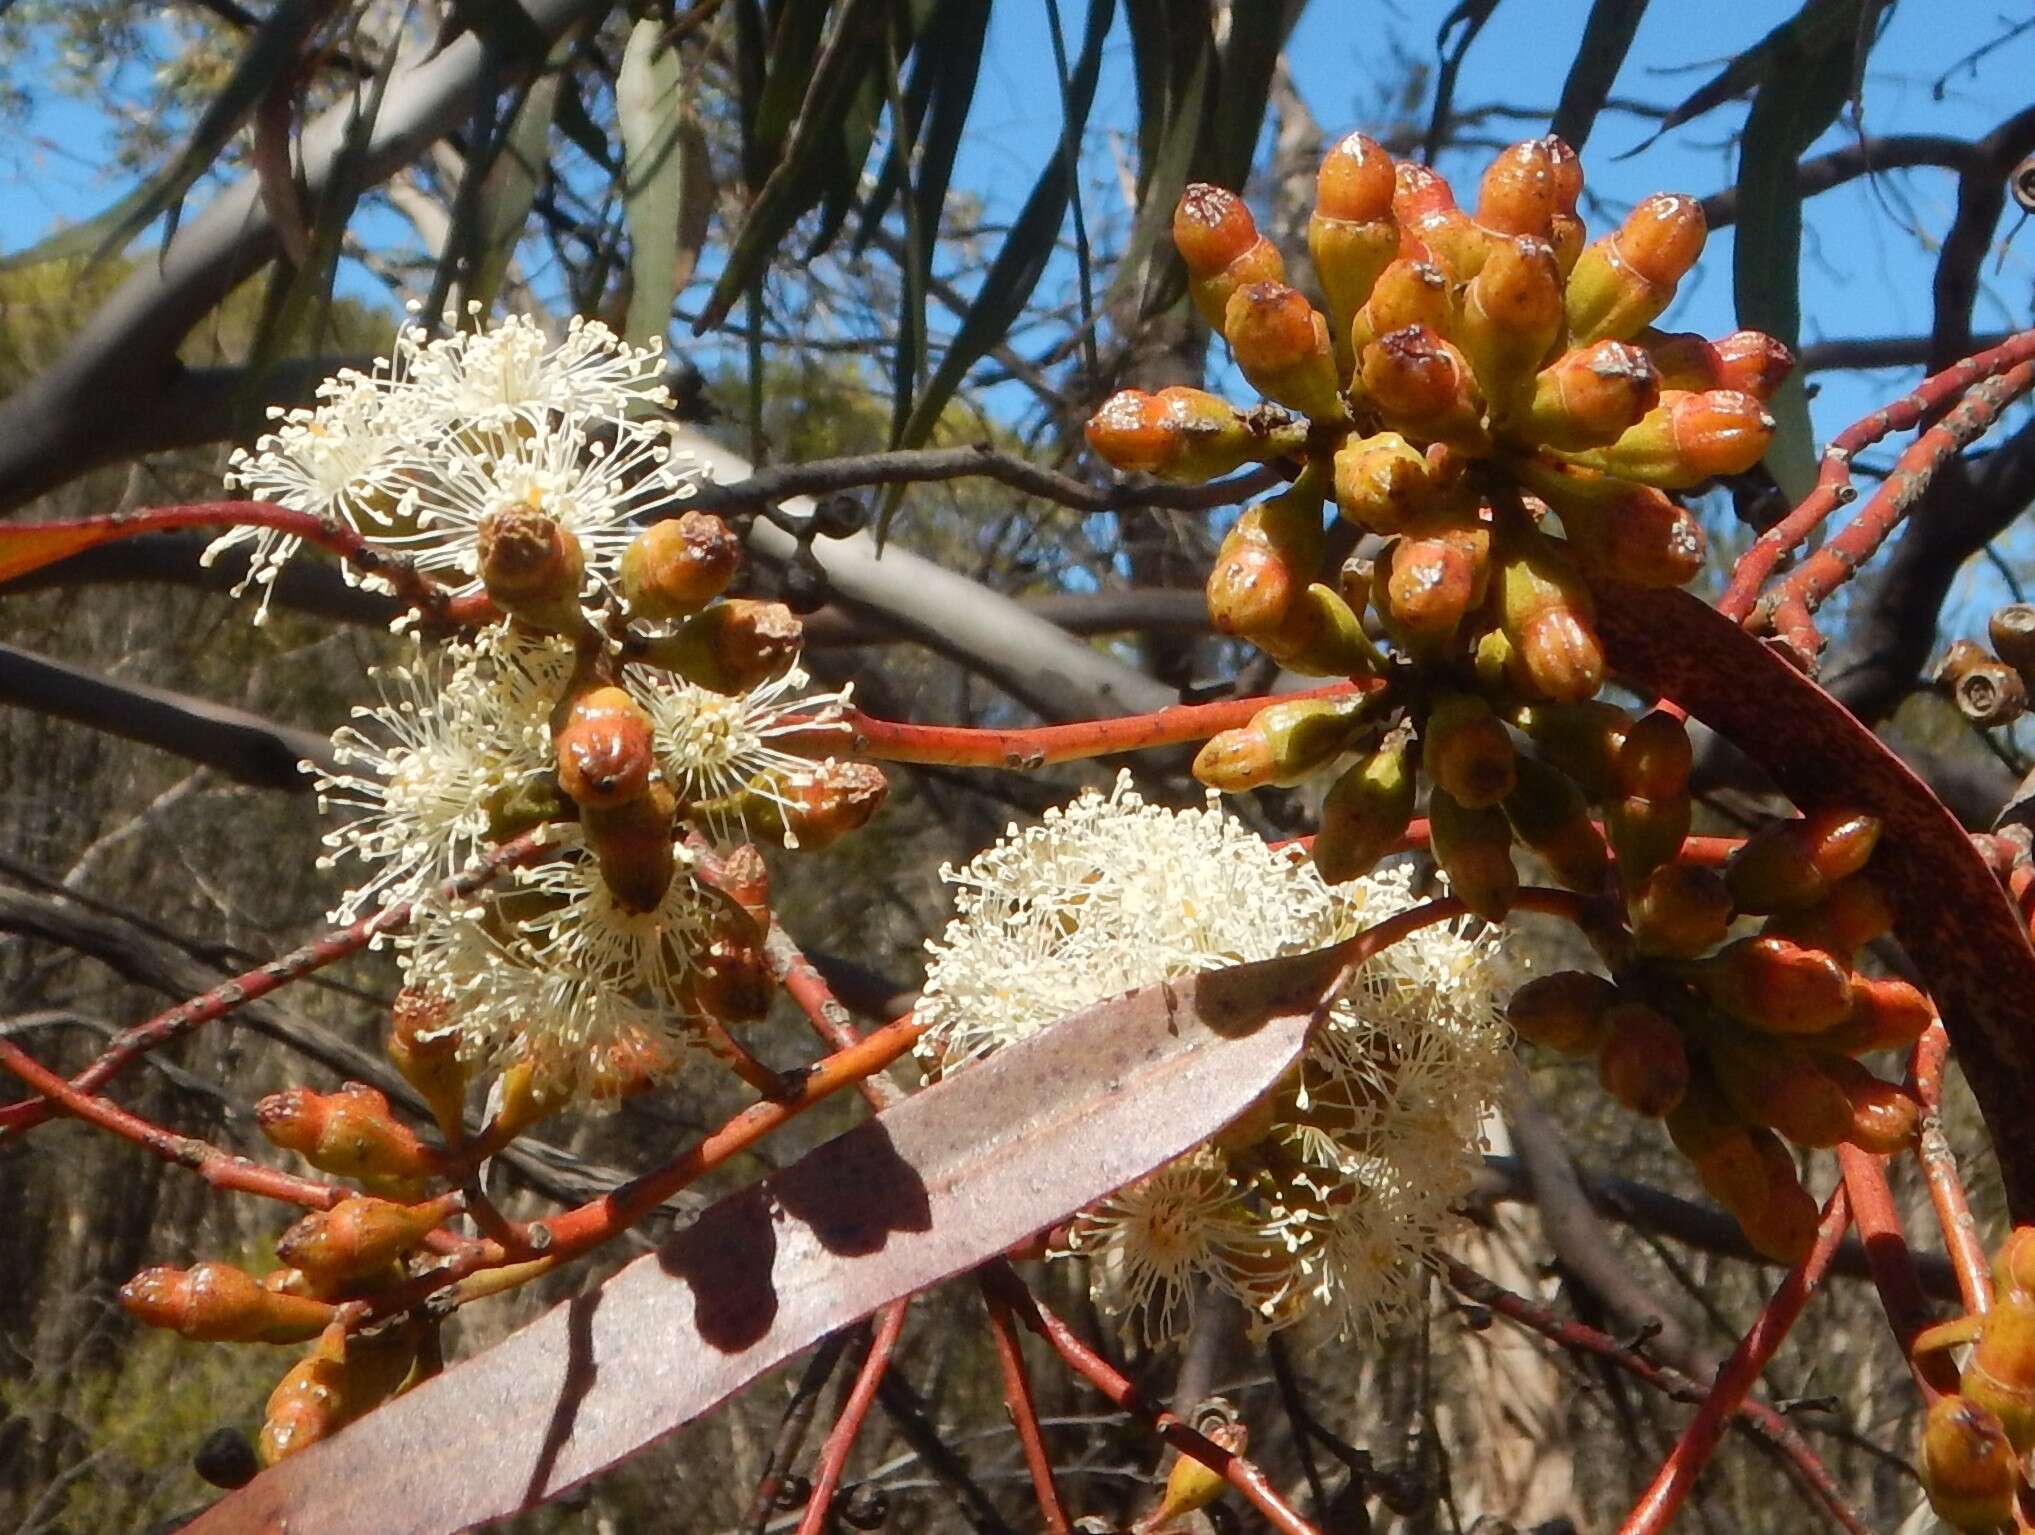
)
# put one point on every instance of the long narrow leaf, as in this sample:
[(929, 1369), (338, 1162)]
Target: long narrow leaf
[(1607, 37), (509, 189), (650, 108)]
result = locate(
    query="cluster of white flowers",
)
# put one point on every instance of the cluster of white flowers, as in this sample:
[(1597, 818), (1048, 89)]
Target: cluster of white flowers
[(414, 453), (1323, 1207)]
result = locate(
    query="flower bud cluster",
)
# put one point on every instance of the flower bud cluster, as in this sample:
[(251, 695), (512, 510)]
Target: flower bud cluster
[(1740, 1044), (1976, 1440)]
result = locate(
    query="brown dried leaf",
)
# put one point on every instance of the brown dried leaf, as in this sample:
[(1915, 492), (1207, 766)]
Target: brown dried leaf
[(946, 1180)]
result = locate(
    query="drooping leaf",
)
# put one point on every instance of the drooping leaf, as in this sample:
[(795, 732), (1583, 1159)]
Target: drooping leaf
[(1607, 36), (1248, 59), (270, 57), (1462, 24), (938, 92), (943, 1182), (650, 108), (1173, 49), (509, 188), (783, 79), (1952, 917)]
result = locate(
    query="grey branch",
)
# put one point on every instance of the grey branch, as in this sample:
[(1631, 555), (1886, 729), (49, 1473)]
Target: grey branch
[(243, 746), (119, 386)]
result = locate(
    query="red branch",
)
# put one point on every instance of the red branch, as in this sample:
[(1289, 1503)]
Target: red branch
[(964, 746), (1939, 1168), (18, 1118), (1893, 1266), (1685, 1462), (1833, 482), (841, 1438), (1024, 1415), (1240, 1473), (830, 1020), (1755, 1417), (1791, 602)]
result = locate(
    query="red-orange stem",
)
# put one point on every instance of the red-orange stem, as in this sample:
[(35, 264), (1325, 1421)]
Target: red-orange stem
[(841, 1438), (1893, 1266), (1685, 1462), (1111, 1382), (1939, 1169), (1024, 1414)]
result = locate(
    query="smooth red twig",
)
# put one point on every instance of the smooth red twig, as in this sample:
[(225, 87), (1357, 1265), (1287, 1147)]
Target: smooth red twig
[(1893, 1266), (861, 1396), (201, 1157), (1240, 1473), (1939, 1169), (1685, 1462), (1790, 604), (864, 735), (1024, 1415), (1833, 481), (20, 1117), (1752, 1416), (823, 1010)]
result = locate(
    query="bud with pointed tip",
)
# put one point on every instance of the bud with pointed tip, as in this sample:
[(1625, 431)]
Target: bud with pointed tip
[(1431, 226), (1466, 750), (1547, 612), (1749, 361), (1719, 1144), (808, 809), (1281, 343), (1970, 1470), (1319, 636), (1687, 439), (1511, 317), (218, 1303), (1270, 555), (1790, 864), (359, 1237), (1884, 1114), (1621, 283), (1783, 1225), (1474, 849), (1643, 1062), (340, 1380), (1351, 235), (1656, 756), (1549, 815), (1428, 580), (1851, 914), (532, 568), (1680, 910), (605, 747), (1187, 435), (632, 842), (1383, 482), (676, 567), (1365, 813), (1589, 397), (1563, 1011), (1781, 1087), (737, 644), (350, 1133), (1886, 1014), (1220, 244), (1425, 388), (1776, 986), (1582, 740), (1284, 744), (1640, 538)]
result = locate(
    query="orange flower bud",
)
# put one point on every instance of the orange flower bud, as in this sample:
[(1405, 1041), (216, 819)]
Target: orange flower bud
[(1883, 1114), (2000, 1374), (1546, 611), (1589, 397), (1641, 539), (1466, 750), (810, 810), (1365, 813), (423, 1045), (1383, 482), (1424, 386), (1419, 190), (1680, 910), (1474, 849), (737, 644), (1643, 1062), (1451, 239), (218, 1303), (1133, 431), (1718, 1143), (1688, 438), (1422, 587), (1564, 1011), (1220, 244), (359, 1237), (1645, 833), (1792, 864), (1549, 815), (733, 982), (1284, 744), (340, 1380), (1852, 913), (632, 842), (1656, 756), (350, 1133), (676, 567), (532, 568), (1885, 1015), (1511, 317), (1281, 343), (1748, 361), (1774, 1084), (1582, 740), (1187, 435), (1520, 193), (1351, 235), (1776, 986), (1268, 558), (606, 748), (1319, 636), (530, 1092), (1623, 281), (1970, 1469), (1407, 292), (1783, 1226)]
